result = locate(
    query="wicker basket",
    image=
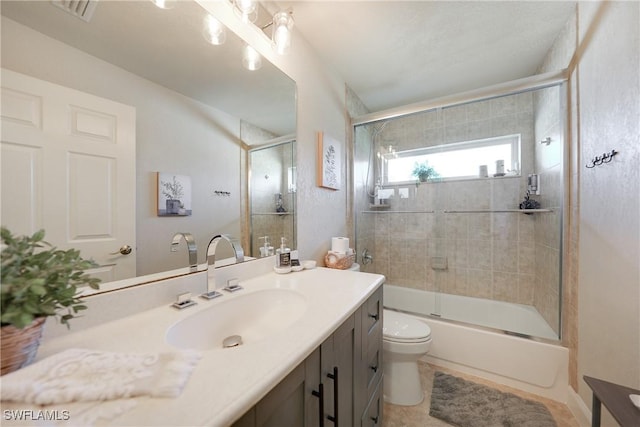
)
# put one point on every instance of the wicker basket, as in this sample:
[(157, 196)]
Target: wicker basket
[(18, 347), (340, 262)]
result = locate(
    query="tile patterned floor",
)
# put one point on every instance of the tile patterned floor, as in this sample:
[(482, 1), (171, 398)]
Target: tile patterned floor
[(418, 416)]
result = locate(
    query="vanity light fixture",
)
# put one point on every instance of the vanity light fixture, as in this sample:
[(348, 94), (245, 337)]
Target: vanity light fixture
[(251, 59), (214, 31), (247, 9), (281, 33)]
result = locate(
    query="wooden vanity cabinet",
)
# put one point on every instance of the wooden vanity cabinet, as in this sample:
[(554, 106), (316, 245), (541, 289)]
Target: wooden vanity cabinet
[(291, 402), (338, 385)]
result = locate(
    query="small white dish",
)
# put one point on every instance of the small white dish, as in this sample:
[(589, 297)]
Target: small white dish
[(309, 264), (635, 399), (282, 270), (297, 267)]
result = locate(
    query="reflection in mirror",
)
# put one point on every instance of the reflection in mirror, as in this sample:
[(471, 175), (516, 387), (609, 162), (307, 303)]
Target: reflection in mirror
[(272, 197), (189, 101)]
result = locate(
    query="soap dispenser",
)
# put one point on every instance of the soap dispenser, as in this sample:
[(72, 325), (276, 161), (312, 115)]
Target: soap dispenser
[(264, 249), (283, 254)]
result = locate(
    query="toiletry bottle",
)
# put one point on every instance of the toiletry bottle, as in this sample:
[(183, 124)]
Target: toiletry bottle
[(295, 260), (264, 249), (283, 254)]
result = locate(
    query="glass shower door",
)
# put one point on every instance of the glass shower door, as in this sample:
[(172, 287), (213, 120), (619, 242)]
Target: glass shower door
[(272, 196), (457, 244)]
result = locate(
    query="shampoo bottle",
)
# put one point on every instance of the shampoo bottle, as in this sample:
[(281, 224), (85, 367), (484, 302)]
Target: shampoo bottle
[(283, 254)]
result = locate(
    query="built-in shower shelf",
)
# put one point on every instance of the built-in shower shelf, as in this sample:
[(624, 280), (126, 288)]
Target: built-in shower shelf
[(379, 207), (525, 211), (272, 213), (398, 212)]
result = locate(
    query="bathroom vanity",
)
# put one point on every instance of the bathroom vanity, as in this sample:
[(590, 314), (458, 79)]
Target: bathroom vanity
[(311, 340), (340, 383)]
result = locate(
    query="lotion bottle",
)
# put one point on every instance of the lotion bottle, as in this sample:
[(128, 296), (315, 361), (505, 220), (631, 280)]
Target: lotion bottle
[(283, 254)]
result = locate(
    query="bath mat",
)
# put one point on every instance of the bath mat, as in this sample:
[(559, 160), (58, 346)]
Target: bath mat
[(464, 403)]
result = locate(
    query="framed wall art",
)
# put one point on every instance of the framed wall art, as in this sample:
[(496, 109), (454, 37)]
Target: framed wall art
[(329, 166), (174, 194)]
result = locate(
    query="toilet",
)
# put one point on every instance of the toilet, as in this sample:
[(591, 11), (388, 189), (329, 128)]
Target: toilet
[(405, 340)]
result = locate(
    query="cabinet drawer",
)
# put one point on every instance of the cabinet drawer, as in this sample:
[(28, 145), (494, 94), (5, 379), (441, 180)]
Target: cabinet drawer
[(372, 315), (372, 416), (374, 371)]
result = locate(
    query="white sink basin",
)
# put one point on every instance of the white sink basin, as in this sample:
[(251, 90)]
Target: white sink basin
[(255, 316)]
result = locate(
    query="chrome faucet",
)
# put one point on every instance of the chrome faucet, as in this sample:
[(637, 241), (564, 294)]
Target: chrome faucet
[(191, 247), (211, 261)]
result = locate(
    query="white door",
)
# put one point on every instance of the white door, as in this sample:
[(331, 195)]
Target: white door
[(68, 166)]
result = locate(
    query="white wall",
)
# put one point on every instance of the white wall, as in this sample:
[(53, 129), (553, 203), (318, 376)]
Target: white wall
[(607, 78), (174, 134)]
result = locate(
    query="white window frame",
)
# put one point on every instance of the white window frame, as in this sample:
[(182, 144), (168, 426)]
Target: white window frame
[(513, 139)]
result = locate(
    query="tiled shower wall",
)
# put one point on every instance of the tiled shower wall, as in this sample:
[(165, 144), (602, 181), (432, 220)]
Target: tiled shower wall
[(489, 255)]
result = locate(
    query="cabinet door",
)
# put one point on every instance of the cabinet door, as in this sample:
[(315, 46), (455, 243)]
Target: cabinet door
[(337, 363), (291, 403)]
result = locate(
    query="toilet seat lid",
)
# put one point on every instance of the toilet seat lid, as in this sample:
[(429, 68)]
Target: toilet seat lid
[(399, 327)]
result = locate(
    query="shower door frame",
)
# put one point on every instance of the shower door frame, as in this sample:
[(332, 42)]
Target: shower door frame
[(532, 83)]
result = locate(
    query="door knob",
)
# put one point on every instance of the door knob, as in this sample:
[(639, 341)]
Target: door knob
[(124, 250)]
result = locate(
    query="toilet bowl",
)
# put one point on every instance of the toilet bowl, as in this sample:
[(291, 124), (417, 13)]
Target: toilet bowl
[(405, 340)]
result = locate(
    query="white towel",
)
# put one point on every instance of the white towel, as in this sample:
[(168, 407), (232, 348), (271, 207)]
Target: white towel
[(79, 375)]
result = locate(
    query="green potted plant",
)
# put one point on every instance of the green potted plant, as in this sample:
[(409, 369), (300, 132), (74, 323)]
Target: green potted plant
[(38, 280), (424, 172)]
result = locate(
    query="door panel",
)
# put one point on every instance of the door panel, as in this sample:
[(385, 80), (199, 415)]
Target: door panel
[(68, 166)]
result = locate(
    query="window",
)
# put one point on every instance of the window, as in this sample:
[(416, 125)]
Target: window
[(459, 160)]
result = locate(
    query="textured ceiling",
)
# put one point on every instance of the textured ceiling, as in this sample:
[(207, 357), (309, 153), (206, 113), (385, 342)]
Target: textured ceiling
[(393, 53)]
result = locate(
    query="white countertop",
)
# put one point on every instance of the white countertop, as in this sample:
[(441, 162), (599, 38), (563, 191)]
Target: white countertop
[(227, 382)]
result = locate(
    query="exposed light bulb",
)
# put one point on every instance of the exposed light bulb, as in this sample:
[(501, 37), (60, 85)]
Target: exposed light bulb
[(164, 4), (251, 59), (248, 9), (281, 36), (214, 32)]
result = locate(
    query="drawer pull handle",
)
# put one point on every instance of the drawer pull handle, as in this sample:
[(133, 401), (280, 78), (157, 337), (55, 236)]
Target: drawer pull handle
[(320, 395), (375, 420), (375, 316), (374, 368), (334, 377)]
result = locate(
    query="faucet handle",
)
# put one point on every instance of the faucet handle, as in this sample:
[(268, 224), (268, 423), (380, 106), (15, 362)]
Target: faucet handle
[(183, 301), (211, 295), (232, 285)]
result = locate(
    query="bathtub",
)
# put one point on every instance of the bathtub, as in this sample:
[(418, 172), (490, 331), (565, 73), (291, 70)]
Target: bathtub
[(527, 364)]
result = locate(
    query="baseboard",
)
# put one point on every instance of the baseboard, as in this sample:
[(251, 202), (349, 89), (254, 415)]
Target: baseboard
[(578, 408)]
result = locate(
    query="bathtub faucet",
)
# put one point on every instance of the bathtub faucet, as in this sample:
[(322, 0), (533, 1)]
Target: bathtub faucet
[(367, 258)]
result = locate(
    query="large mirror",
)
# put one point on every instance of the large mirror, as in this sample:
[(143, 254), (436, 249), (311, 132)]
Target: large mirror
[(194, 104)]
